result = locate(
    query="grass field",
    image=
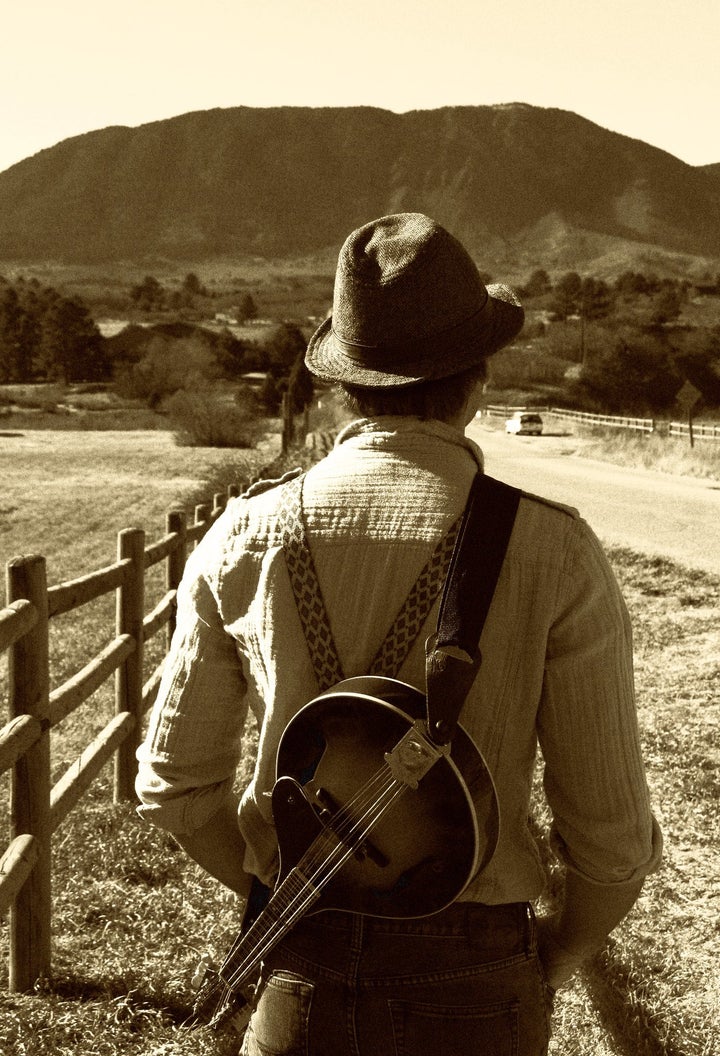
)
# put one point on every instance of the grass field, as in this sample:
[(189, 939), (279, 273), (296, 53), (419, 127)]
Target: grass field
[(132, 915), (67, 494)]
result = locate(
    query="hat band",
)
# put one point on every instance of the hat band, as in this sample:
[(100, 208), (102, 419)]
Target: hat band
[(404, 352)]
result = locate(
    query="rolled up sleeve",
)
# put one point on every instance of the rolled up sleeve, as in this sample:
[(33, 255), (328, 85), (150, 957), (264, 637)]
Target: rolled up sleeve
[(188, 759), (594, 775)]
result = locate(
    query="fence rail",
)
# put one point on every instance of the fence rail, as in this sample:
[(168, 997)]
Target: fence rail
[(612, 421), (37, 807), (694, 431), (698, 430)]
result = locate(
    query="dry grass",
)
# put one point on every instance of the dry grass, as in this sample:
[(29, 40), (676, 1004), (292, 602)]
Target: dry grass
[(131, 913), (656, 988), (652, 451), (67, 494)]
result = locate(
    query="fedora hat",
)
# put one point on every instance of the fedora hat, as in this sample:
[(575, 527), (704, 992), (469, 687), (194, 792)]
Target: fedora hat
[(409, 306)]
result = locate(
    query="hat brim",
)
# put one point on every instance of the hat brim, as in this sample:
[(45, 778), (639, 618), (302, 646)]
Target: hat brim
[(447, 354)]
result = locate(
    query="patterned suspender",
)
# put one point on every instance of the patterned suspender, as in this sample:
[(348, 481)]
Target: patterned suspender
[(311, 606)]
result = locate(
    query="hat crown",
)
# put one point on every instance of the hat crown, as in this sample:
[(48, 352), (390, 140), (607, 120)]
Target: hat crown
[(379, 251), (402, 277), (409, 306)]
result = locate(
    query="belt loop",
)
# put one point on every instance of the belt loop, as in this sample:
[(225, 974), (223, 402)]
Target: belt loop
[(530, 928)]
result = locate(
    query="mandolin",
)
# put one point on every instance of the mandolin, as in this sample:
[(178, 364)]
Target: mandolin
[(372, 817)]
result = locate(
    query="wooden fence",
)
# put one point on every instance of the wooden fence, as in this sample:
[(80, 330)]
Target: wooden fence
[(36, 807), (645, 425), (691, 431), (695, 430)]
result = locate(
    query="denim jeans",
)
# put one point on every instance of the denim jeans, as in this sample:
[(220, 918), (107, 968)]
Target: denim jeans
[(463, 981)]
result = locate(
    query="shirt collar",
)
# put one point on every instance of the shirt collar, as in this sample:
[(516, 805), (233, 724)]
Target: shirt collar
[(395, 432)]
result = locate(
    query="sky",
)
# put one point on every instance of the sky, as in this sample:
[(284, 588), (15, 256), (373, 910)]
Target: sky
[(648, 69)]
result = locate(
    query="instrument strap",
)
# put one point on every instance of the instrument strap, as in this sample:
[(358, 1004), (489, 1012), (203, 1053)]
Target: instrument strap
[(453, 655), (311, 605)]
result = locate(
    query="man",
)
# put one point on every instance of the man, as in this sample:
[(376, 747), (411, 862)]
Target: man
[(410, 333)]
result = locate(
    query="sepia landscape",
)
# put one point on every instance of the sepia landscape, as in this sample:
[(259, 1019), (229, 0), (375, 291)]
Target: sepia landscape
[(158, 285)]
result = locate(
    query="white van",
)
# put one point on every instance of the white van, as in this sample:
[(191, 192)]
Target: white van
[(524, 423)]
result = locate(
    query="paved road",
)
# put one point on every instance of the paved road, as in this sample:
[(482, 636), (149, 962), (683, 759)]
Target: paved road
[(655, 513)]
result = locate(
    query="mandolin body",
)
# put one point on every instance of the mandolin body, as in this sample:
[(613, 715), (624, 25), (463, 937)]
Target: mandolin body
[(362, 826), (432, 840)]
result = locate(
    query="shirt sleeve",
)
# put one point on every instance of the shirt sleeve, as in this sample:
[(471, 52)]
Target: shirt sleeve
[(188, 759), (594, 775)]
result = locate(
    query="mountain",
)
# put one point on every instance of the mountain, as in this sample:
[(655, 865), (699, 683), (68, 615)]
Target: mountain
[(510, 180), (713, 170)]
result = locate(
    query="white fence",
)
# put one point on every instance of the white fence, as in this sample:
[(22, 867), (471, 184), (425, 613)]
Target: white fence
[(706, 431), (701, 431)]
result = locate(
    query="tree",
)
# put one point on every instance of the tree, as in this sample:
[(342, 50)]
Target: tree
[(666, 306), (30, 334), (282, 346), (149, 294), (71, 346), (230, 354), (270, 394), (538, 284), (596, 300), (300, 384), (698, 360), (192, 285), (567, 295), (632, 284), (564, 342), (167, 365), (246, 309), (10, 336), (636, 373)]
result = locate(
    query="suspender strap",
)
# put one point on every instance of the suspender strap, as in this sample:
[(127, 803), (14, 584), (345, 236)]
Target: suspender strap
[(410, 619), (452, 654), (306, 588), (311, 605)]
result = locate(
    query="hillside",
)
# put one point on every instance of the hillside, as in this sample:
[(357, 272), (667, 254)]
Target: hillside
[(513, 181)]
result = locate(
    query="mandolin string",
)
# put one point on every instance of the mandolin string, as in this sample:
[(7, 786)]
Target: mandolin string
[(322, 865), (341, 829), (314, 862), (295, 906), (363, 798), (298, 901)]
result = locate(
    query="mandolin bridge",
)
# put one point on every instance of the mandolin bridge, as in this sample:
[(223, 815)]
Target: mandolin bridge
[(414, 755), (326, 808)]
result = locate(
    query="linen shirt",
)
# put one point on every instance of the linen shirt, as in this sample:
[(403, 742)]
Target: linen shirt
[(556, 673)]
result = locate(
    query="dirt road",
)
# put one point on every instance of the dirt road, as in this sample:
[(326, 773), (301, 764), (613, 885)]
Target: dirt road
[(655, 513)]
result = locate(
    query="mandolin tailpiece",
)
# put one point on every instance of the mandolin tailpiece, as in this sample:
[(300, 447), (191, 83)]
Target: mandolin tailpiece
[(414, 755)]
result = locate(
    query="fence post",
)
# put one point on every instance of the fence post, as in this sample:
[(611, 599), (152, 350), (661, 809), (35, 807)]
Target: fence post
[(129, 676), (29, 691), (175, 522), (288, 428), (202, 513)]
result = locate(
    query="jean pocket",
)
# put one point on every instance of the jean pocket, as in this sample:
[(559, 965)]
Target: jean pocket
[(279, 1024), (454, 1030)]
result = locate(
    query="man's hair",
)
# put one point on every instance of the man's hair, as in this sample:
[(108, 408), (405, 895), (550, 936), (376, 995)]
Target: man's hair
[(442, 398)]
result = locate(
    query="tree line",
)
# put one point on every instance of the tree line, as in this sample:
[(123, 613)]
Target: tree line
[(593, 298), (620, 347), (46, 336), (150, 295), (623, 346)]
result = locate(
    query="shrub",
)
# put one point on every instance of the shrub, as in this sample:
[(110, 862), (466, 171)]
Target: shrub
[(167, 366), (210, 416)]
